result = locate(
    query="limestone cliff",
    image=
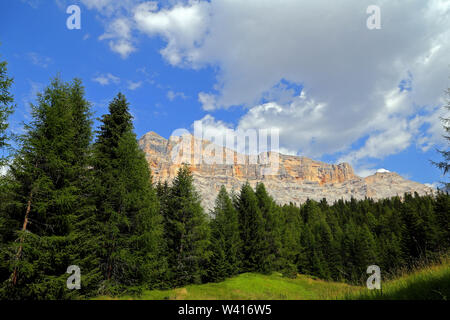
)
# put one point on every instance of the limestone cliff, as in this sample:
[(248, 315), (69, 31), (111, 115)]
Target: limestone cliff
[(293, 179)]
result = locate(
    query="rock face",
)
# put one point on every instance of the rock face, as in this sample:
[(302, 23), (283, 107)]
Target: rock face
[(287, 178)]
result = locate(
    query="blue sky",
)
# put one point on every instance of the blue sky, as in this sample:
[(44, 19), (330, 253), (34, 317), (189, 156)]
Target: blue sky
[(338, 91)]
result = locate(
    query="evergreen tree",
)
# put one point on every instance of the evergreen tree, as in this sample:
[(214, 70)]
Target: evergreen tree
[(307, 244), (324, 243), (444, 165), (364, 252), (272, 237), (291, 228), (6, 108), (187, 232), (442, 209), (413, 230), (252, 230), (128, 225), (335, 262), (225, 240), (45, 197)]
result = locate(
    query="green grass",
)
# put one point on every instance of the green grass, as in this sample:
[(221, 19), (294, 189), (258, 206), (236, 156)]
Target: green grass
[(431, 282), (251, 286)]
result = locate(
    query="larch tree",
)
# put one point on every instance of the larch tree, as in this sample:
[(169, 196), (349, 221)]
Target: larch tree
[(46, 195)]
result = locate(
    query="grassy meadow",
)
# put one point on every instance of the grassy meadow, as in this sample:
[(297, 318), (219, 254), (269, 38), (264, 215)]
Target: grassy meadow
[(432, 282)]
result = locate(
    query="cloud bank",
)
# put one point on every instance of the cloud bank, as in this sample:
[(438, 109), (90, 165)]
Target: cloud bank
[(311, 68)]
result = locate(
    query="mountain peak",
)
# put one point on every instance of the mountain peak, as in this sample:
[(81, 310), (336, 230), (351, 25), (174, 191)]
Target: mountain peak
[(152, 134)]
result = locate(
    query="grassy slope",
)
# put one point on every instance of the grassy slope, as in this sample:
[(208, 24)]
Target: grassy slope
[(428, 283), (251, 286), (431, 282)]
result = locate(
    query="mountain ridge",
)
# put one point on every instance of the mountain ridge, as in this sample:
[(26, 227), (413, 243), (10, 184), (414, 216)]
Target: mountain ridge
[(294, 179)]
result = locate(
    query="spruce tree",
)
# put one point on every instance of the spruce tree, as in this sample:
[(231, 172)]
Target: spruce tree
[(272, 237), (252, 231), (291, 228), (324, 244), (128, 225), (186, 231), (225, 240), (364, 253)]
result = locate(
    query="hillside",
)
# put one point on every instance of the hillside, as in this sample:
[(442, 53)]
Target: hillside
[(252, 286), (428, 283), (294, 179)]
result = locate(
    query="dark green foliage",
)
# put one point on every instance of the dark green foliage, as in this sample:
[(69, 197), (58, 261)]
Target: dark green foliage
[(291, 226), (252, 230), (339, 241), (6, 107), (45, 195), (225, 239), (442, 209), (186, 232), (126, 228), (271, 245), (67, 202)]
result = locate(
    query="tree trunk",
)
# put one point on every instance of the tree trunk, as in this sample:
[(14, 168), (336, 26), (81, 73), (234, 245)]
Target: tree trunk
[(24, 228)]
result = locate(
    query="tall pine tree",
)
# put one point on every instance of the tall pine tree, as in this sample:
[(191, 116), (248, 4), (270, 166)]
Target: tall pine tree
[(225, 240), (252, 230), (128, 225), (272, 238), (187, 232)]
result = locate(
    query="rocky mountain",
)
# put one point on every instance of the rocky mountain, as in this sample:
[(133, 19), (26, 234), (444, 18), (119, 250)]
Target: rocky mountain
[(291, 179)]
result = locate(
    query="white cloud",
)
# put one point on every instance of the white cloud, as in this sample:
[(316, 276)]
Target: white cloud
[(182, 26), (119, 35), (434, 185), (351, 73), (172, 95), (208, 101), (106, 79), (110, 7), (134, 85), (122, 47), (39, 60)]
